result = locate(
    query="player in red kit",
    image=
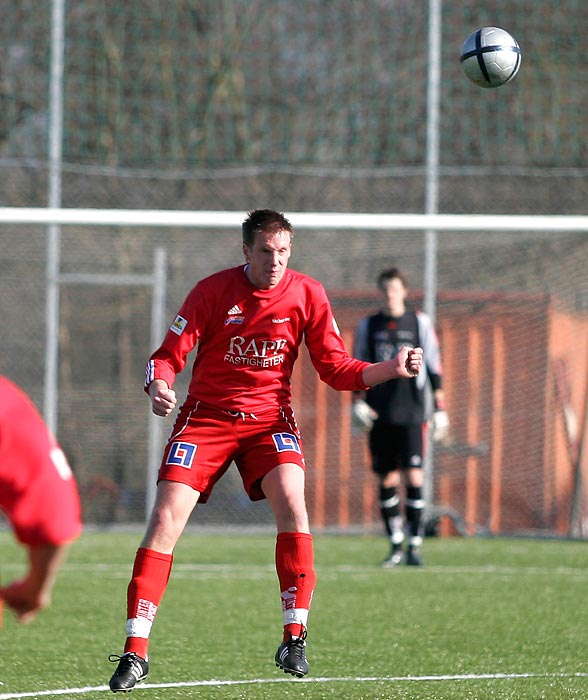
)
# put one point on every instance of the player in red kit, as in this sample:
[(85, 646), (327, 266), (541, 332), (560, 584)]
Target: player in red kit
[(248, 323), (39, 497)]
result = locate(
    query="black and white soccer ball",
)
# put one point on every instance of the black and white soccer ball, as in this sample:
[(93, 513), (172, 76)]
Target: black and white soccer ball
[(490, 57)]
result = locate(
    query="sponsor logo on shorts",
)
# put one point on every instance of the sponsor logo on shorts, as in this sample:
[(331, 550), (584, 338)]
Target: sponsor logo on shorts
[(286, 442), (181, 454)]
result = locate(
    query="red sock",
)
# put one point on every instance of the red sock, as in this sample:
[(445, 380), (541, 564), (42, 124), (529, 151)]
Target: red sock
[(148, 583), (297, 577)]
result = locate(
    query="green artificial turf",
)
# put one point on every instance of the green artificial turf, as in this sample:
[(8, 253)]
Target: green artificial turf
[(485, 619)]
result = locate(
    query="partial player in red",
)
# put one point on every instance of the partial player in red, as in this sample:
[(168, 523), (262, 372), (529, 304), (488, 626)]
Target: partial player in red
[(248, 323), (38, 495)]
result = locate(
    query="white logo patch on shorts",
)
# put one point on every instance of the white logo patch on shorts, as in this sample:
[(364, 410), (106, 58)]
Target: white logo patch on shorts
[(286, 442), (181, 454)]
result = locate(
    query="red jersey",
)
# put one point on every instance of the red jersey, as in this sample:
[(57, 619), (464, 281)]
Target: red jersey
[(38, 492), (248, 339)]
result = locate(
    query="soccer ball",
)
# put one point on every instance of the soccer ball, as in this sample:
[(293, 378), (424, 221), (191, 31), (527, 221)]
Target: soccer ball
[(490, 57)]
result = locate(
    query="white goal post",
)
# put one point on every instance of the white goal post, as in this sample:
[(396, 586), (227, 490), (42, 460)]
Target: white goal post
[(313, 220), (53, 218)]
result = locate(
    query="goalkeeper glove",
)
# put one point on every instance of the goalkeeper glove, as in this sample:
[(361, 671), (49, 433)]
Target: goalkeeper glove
[(440, 426), (362, 416)]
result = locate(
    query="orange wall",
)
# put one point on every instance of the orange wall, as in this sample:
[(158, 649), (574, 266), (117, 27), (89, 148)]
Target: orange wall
[(508, 466)]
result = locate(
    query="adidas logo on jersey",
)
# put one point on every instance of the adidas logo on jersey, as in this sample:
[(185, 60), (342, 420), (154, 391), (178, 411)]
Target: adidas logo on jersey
[(234, 315)]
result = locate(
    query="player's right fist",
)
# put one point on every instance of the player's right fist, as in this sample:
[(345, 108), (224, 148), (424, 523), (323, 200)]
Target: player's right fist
[(163, 399)]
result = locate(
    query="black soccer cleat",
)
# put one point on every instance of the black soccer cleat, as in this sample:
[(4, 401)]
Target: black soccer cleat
[(413, 557), (291, 657), (130, 670), (394, 559)]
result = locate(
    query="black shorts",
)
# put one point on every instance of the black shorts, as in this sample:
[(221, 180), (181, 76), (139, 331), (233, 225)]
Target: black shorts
[(396, 447)]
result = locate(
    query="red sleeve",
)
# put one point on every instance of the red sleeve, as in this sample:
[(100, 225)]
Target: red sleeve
[(49, 511), (330, 358), (181, 338), (38, 491)]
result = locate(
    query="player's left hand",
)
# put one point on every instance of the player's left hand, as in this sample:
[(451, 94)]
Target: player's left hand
[(411, 361), (24, 600)]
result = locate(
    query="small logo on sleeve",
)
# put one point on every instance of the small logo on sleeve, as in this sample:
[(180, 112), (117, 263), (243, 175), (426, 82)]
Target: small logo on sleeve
[(179, 325)]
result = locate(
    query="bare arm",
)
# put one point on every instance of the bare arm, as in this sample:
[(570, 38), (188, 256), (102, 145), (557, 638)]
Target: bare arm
[(33, 592), (163, 399), (439, 397), (406, 364)]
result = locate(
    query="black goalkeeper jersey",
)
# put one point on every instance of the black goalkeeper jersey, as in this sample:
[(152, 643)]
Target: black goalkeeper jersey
[(398, 401)]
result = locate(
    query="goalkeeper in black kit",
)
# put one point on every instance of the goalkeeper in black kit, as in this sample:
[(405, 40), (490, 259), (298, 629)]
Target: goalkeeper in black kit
[(395, 414)]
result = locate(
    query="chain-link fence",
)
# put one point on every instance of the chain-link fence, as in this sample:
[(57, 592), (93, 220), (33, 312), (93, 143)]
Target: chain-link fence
[(307, 106), (512, 316)]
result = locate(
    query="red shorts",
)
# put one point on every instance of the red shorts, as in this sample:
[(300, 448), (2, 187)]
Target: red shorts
[(205, 440)]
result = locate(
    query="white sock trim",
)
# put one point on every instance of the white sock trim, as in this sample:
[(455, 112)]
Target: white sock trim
[(139, 627), (390, 502), (296, 616)]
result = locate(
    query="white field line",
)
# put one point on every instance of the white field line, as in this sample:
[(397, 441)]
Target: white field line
[(262, 571), (261, 681), (339, 568)]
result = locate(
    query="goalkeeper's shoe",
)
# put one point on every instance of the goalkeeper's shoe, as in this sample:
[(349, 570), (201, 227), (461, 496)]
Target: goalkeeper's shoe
[(394, 559), (291, 657), (130, 670), (413, 557)]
